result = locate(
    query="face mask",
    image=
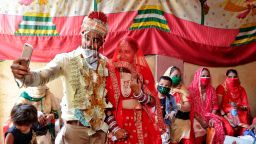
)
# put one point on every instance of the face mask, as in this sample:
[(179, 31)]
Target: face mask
[(163, 90), (89, 52), (90, 56), (233, 82), (176, 80), (205, 81)]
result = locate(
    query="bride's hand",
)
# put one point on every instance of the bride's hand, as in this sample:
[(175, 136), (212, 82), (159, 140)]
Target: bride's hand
[(136, 85)]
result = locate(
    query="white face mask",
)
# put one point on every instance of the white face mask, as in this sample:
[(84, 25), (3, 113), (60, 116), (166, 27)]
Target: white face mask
[(89, 52), (91, 56)]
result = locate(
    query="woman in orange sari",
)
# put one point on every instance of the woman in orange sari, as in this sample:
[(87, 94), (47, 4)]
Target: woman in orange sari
[(229, 92), (204, 105), (131, 90)]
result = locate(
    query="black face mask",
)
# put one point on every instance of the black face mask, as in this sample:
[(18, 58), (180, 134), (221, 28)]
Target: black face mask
[(163, 90)]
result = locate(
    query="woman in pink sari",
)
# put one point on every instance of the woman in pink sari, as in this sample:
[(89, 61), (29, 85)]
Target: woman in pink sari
[(131, 90), (204, 105), (230, 91)]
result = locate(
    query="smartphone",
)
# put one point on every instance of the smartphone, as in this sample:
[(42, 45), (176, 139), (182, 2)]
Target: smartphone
[(27, 52)]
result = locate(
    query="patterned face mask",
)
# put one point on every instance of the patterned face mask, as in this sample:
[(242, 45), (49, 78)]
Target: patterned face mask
[(163, 90)]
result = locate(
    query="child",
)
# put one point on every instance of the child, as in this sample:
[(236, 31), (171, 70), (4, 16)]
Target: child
[(47, 107), (250, 133), (23, 117), (248, 137), (168, 104), (234, 115)]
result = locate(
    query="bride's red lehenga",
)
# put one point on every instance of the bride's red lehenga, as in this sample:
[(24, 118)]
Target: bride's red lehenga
[(142, 122)]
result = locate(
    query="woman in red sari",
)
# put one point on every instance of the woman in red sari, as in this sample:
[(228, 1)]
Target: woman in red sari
[(231, 91), (131, 90), (204, 105)]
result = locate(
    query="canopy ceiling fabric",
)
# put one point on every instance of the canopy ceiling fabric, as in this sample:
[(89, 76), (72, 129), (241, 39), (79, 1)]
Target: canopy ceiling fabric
[(203, 32)]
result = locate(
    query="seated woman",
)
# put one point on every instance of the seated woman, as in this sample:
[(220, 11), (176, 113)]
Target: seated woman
[(180, 129), (204, 105), (230, 92), (131, 90)]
